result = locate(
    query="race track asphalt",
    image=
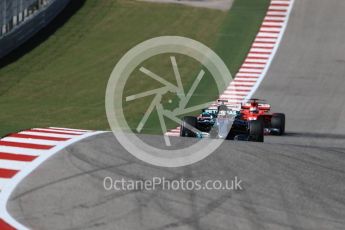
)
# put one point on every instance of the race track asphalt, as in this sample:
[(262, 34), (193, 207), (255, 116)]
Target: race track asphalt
[(291, 182)]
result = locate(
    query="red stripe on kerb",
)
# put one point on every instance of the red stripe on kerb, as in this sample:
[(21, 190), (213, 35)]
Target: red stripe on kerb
[(5, 226), (266, 37), (257, 57), (249, 81), (258, 52), (19, 135), (264, 42), (249, 72), (275, 15), (46, 131), (241, 90), (25, 145), (262, 47), (252, 68), (241, 85), (247, 77), (256, 63), (16, 157), (7, 173), (268, 26), (235, 94)]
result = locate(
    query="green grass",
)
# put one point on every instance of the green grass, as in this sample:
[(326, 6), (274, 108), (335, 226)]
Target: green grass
[(62, 82), (239, 30)]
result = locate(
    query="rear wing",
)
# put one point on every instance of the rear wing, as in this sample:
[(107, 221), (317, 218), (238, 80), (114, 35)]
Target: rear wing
[(265, 107), (222, 102)]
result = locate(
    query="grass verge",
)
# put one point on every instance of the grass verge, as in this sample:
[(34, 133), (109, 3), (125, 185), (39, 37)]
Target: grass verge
[(62, 81)]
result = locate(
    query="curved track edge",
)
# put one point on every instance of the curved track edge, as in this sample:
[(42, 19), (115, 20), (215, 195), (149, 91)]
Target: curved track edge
[(22, 153)]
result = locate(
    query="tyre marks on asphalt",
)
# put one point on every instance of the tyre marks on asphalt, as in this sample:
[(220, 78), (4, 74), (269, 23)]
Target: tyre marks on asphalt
[(259, 58), (21, 153)]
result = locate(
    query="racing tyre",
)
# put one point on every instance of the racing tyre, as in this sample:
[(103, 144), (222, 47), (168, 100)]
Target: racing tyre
[(261, 119), (184, 131), (278, 122), (256, 131)]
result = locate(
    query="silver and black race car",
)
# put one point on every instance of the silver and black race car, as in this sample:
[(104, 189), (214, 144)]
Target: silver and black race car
[(224, 123)]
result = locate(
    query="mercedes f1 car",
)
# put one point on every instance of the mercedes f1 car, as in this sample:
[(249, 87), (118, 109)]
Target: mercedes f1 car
[(274, 123), (222, 122)]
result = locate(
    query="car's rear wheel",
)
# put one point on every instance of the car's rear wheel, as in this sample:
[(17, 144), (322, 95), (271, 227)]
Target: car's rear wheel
[(278, 122), (184, 131), (256, 131)]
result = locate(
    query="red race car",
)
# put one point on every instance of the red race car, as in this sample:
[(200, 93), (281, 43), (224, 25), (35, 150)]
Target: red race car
[(274, 123)]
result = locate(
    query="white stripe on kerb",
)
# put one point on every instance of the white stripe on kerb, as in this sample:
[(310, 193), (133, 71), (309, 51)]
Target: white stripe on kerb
[(3, 182), (13, 165), (59, 131), (25, 151), (242, 83), (270, 35), (239, 88), (270, 29), (31, 141), (47, 134), (259, 50), (233, 95), (255, 60), (258, 55), (248, 74), (272, 13), (273, 23), (277, 8), (263, 44), (274, 18)]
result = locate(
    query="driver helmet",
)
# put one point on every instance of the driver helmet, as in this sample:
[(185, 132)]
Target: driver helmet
[(222, 113), (254, 109)]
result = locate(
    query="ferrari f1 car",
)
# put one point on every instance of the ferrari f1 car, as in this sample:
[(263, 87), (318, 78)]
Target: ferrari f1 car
[(224, 123), (274, 123)]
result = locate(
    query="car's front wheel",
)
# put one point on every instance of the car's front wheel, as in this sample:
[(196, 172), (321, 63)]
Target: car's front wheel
[(184, 131)]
